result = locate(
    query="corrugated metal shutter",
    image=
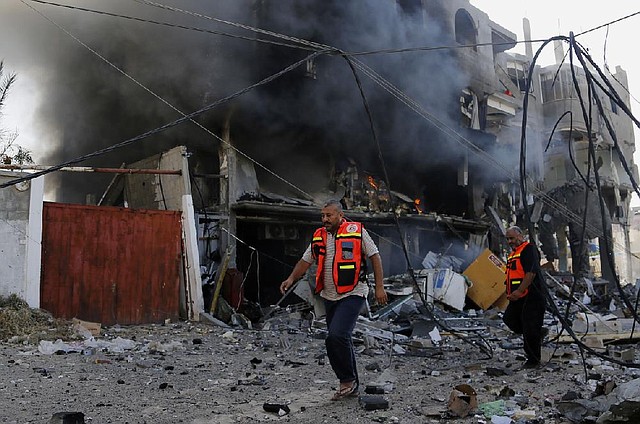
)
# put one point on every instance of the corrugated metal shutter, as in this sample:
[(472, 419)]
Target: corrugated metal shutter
[(111, 265)]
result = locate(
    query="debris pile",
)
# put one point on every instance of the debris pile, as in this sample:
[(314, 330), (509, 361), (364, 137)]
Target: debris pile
[(20, 323), (437, 313)]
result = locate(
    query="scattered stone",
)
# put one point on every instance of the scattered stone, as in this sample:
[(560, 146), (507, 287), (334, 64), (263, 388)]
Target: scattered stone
[(278, 408), (252, 380), (571, 395), (67, 418), (506, 393), (374, 390), (496, 372), (372, 402), (373, 366)]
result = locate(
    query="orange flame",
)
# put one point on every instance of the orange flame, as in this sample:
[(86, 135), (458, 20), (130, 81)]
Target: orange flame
[(372, 182), (416, 204)]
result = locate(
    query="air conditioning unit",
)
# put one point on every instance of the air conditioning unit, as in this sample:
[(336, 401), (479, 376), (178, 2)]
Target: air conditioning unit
[(280, 232), (273, 232), (291, 232)]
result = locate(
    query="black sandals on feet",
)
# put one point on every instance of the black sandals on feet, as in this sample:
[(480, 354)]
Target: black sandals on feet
[(344, 392)]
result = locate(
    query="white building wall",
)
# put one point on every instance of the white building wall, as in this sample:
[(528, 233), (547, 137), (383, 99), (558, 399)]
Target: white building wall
[(20, 238), (621, 255), (634, 236)]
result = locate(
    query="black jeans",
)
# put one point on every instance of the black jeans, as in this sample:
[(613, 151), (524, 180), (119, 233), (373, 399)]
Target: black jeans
[(525, 316), (341, 320)]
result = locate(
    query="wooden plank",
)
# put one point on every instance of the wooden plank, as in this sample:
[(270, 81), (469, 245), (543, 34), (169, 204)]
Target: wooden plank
[(604, 338)]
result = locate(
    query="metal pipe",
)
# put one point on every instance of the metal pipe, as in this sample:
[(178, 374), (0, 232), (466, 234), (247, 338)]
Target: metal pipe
[(92, 169)]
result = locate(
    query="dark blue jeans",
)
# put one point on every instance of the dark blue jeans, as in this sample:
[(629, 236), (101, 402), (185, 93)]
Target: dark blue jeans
[(341, 320)]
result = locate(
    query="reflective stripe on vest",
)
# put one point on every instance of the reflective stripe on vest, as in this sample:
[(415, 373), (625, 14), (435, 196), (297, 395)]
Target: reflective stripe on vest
[(515, 271), (347, 267)]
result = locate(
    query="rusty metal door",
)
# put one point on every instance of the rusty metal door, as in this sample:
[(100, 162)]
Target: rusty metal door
[(111, 265)]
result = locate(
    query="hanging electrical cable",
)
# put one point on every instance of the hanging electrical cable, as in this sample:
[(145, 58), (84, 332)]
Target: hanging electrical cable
[(166, 126), (484, 346), (580, 53)]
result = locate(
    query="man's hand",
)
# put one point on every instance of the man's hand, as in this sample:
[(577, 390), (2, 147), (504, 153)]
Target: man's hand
[(381, 295), (284, 286), (515, 295)]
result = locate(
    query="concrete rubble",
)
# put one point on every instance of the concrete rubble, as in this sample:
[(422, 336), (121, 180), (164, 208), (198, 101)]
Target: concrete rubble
[(419, 322), (421, 360)]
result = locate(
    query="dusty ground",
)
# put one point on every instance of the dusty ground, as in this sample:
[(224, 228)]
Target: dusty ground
[(199, 373)]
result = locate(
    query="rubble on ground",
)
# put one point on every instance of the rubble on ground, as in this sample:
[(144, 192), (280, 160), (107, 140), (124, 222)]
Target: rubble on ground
[(421, 359), (20, 323)]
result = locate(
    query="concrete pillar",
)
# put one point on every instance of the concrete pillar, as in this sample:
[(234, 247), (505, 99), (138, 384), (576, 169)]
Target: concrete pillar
[(526, 28), (228, 190), (607, 264), (558, 49), (627, 252), (563, 252), (33, 259)]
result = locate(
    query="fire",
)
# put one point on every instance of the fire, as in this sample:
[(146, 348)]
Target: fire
[(416, 204), (372, 182)]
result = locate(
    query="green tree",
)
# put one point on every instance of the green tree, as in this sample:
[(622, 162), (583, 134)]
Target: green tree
[(10, 151)]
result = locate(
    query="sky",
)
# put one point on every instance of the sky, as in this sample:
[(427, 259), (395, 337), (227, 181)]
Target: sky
[(547, 18)]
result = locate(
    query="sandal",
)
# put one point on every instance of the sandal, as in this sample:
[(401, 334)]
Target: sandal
[(344, 392)]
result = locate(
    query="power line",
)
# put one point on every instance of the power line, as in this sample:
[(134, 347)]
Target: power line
[(441, 125), (607, 24), (167, 103), (301, 41), (185, 117), (165, 126), (167, 24)]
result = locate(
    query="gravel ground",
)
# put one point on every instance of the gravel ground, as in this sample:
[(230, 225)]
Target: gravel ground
[(199, 373)]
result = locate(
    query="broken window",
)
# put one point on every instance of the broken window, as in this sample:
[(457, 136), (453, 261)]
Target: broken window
[(465, 29), (519, 74), (614, 106), (557, 86), (469, 106)]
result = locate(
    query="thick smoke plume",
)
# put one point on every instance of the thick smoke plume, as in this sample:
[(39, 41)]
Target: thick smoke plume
[(299, 125)]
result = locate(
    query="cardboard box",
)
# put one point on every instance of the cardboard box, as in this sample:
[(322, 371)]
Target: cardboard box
[(502, 302), (462, 400), (93, 327), (487, 273)]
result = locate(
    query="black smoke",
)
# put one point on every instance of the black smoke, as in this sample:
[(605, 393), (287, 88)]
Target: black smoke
[(300, 126)]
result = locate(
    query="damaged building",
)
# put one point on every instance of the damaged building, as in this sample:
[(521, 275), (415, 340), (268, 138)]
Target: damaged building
[(421, 145), (414, 118), (566, 165), (305, 138)]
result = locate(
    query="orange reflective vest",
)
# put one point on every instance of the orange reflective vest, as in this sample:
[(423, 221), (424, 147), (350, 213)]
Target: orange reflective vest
[(349, 266), (515, 272)]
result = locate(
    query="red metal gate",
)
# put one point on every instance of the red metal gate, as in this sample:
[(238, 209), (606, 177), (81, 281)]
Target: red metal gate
[(111, 265)]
